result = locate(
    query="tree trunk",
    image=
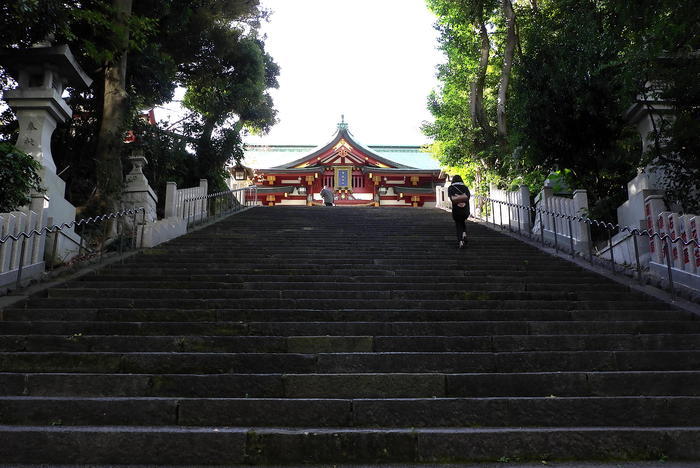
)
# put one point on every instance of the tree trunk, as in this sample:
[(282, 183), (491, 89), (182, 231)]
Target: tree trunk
[(477, 88), (204, 148), (509, 52), (110, 137)]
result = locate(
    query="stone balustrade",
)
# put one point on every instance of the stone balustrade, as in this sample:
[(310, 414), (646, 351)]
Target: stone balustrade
[(27, 253), (673, 242), (552, 218), (187, 203), (512, 208)]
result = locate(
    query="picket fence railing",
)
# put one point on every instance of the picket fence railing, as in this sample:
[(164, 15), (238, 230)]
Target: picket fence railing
[(562, 223)]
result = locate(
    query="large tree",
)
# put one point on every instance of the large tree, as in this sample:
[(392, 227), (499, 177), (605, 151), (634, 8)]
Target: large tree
[(115, 110), (137, 55), (570, 95), (479, 39), (532, 87), (663, 54)]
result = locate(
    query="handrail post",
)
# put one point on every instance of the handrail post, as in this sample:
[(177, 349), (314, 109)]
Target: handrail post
[(120, 234), (610, 247), (81, 235), (590, 243), (636, 257), (541, 226), (21, 261), (104, 237), (136, 229), (143, 225), (667, 253), (571, 239), (54, 248)]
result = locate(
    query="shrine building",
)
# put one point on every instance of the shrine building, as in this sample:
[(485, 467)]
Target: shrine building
[(358, 174)]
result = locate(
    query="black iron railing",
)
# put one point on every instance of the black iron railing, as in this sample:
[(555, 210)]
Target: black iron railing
[(92, 233), (200, 209), (610, 229)]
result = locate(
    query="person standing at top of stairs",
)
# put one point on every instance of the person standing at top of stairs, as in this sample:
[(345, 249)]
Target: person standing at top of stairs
[(327, 195), (459, 194)]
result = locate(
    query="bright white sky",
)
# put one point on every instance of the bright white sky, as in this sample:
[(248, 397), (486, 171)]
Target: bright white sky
[(372, 60)]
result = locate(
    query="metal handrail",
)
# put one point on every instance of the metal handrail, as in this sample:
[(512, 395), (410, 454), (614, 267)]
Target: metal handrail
[(218, 204), (611, 228), (66, 236), (59, 228)]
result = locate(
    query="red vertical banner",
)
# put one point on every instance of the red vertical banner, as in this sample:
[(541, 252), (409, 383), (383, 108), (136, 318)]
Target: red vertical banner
[(654, 207), (687, 252), (674, 241), (660, 230), (648, 215)]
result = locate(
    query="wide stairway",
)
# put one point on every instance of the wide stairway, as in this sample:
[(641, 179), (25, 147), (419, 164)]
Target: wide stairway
[(294, 335)]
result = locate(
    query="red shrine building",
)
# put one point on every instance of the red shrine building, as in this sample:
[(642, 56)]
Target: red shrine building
[(357, 174)]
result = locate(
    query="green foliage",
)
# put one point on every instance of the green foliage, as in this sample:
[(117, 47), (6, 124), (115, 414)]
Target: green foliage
[(664, 51), (227, 90), (19, 177), (167, 155), (462, 138), (210, 47), (569, 99), (579, 65)]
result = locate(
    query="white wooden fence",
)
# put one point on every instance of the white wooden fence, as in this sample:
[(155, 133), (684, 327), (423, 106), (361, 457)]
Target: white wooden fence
[(188, 204), (11, 224), (552, 219), (443, 202), (511, 208), (673, 232)]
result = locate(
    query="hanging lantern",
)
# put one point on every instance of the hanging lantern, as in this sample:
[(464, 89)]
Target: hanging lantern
[(239, 172)]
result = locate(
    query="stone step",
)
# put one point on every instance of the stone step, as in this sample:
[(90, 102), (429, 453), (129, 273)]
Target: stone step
[(383, 343), (465, 259), (176, 260), (393, 412), (343, 265), (401, 385), (476, 301), (341, 344), (352, 315), (359, 284), (177, 445), (339, 254), (226, 272), (368, 292), (477, 328), (465, 277), (333, 363)]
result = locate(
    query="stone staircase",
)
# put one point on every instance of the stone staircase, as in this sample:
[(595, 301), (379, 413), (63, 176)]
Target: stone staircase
[(293, 335)]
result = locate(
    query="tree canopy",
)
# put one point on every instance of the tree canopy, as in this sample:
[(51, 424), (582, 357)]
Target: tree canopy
[(138, 54), (535, 87)]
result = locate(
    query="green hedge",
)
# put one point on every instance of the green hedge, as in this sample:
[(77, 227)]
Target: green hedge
[(19, 177)]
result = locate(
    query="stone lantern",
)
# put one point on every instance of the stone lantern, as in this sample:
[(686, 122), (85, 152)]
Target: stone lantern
[(42, 73), (137, 192)]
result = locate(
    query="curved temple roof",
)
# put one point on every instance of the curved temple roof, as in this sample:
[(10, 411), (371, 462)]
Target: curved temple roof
[(343, 133)]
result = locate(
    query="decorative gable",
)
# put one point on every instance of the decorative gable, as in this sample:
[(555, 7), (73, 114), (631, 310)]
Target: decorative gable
[(343, 150)]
